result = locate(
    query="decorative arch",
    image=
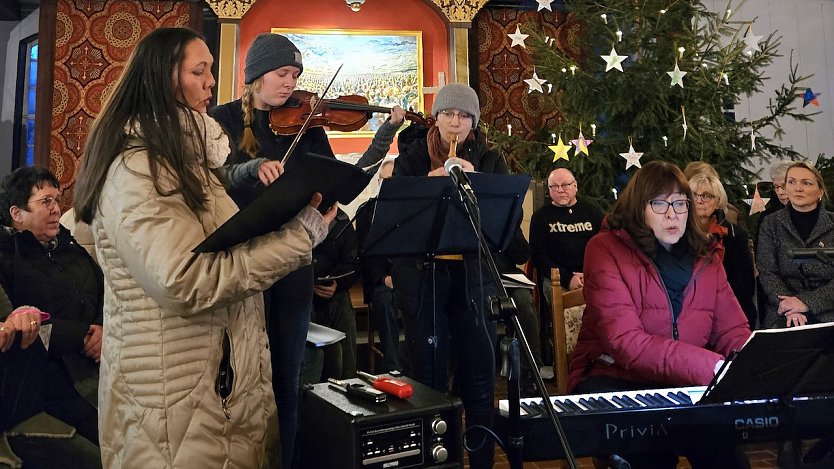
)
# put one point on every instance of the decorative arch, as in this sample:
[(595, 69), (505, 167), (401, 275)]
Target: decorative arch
[(454, 11)]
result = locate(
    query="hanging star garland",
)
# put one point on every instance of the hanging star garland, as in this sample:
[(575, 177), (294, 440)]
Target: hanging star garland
[(544, 5), (580, 145), (632, 157), (613, 60), (677, 76), (751, 41), (560, 150), (535, 83), (809, 97), (518, 38)]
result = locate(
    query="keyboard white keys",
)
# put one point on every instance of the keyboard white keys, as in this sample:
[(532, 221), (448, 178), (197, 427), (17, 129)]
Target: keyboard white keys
[(611, 401)]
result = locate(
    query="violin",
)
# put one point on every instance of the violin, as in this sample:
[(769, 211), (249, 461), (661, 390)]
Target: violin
[(345, 114)]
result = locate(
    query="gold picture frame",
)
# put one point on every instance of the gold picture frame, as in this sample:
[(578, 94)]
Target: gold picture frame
[(385, 66)]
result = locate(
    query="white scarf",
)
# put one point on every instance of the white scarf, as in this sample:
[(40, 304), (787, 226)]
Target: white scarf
[(216, 140)]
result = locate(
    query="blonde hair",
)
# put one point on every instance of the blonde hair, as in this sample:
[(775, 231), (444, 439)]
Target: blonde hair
[(713, 186), (699, 167), (817, 175), (248, 143)]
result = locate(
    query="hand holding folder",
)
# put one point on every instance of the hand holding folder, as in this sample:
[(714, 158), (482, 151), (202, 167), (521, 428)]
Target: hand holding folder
[(283, 199)]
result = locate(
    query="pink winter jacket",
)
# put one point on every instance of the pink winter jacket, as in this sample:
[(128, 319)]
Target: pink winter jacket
[(628, 318)]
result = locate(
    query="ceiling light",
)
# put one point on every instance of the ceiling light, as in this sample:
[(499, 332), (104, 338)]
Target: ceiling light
[(355, 5)]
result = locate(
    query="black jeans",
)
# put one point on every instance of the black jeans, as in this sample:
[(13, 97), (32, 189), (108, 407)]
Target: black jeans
[(450, 319), (288, 305)]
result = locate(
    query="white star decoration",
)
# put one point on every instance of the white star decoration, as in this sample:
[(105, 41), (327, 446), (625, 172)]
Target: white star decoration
[(535, 83), (632, 157), (677, 76), (518, 38), (613, 60), (751, 41), (544, 4)]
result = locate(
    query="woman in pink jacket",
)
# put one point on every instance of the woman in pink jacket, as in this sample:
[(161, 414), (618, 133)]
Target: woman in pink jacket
[(660, 312)]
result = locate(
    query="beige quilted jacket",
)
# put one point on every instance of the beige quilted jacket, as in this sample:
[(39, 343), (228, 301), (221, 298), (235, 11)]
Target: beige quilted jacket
[(165, 315)]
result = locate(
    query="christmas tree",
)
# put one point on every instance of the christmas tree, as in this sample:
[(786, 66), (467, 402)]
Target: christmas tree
[(654, 79)]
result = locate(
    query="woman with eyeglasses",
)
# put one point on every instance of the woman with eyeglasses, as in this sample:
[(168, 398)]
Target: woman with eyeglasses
[(442, 299), (798, 293), (659, 312), (710, 207), (42, 265)]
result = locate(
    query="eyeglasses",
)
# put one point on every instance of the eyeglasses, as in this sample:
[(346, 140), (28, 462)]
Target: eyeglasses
[(464, 116), (705, 197), (661, 207), (565, 187), (778, 187), (49, 202)]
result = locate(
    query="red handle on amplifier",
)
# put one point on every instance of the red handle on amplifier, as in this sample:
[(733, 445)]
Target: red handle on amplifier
[(394, 387), (388, 385)]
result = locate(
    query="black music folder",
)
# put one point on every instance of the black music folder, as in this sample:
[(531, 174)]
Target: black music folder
[(417, 216), (337, 181), (778, 363)]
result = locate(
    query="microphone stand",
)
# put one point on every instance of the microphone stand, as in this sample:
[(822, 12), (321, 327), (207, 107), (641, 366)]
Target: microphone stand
[(502, 307)]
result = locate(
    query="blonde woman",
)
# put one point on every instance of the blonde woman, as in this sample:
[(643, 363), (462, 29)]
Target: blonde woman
[(273, 66), (710, 202)]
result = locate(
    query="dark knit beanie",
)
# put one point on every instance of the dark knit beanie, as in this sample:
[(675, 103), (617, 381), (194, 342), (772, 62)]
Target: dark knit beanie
[(457, 96), (269, 52)]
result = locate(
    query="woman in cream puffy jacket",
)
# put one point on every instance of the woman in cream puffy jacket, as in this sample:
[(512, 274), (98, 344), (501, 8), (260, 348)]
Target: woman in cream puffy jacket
[(185, 369)]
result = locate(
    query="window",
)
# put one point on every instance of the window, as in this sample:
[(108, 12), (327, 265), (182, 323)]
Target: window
[(27, 79)]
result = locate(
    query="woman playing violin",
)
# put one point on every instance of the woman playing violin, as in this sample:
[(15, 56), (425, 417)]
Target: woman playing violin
[(273, 65)]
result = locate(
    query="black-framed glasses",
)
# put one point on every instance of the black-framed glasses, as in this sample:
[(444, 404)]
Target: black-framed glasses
[(48, 202), (464, 116), (565, 187), (661, 207), (706, 196)]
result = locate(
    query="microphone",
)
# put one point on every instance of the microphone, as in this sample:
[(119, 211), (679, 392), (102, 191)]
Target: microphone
[(812, 254), (454, 167)]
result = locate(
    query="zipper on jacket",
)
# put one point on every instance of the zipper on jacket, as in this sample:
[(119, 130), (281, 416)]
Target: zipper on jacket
[(225, 376), (700, 267)]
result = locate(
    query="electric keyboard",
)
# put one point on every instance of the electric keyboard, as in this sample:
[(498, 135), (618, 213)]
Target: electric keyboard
[(601, 424)]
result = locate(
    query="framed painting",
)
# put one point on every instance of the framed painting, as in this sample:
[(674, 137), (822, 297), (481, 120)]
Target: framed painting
[(386, 67)]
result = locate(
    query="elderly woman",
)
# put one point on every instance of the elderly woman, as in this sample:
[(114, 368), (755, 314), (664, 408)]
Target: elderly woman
[(659, 312), (797, 293), (42, 265), (710, 206)]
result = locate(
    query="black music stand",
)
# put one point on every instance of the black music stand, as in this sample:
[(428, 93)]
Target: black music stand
[(778, 363), (337, 181), (431, 216), (416, 216)]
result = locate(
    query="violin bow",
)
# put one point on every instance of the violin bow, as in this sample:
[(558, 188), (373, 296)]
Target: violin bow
[(306, 123)]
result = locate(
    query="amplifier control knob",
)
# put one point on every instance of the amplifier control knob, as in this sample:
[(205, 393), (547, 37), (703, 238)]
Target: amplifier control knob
[(439, 453), (439, 426)]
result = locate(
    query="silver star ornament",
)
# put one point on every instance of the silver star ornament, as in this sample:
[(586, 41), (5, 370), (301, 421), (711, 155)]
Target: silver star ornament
[(518, 38), (613, 60)]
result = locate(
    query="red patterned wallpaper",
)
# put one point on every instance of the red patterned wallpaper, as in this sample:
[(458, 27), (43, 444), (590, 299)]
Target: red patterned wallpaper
[(502, 69), (93, 40)]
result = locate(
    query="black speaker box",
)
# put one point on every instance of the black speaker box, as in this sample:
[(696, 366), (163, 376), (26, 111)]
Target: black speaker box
[(424, 430)]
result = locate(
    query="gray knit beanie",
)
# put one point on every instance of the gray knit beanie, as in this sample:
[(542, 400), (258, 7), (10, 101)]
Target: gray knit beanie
[(457, 96), (269, 52)]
